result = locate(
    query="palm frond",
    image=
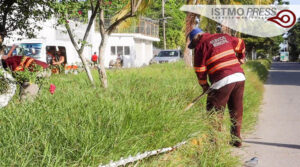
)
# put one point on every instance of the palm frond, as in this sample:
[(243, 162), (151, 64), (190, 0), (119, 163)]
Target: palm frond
[(127, 10)]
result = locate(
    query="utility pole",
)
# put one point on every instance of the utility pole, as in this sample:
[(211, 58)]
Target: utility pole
[(164, 22)]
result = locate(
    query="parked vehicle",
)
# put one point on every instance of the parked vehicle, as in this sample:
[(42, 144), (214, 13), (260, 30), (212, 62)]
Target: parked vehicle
[(37, 49), (167, 56)]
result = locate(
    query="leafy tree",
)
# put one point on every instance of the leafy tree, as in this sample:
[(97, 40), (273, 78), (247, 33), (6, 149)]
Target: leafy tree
[(117, 11), (263, 46), (20, 16), (77, 10), (281, 2), (174, 23), (294, 42)]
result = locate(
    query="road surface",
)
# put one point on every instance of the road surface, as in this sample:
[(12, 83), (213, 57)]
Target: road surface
[(276, 140)]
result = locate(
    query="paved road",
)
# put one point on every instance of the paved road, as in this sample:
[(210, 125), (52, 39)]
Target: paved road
[(276, 141)]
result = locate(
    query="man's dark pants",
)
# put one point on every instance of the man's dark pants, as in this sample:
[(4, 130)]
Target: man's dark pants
[(232, 95)]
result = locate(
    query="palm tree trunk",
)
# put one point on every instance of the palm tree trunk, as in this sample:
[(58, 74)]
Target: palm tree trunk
[(190, 23)]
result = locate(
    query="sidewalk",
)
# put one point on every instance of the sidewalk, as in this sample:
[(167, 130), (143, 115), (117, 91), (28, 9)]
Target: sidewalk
[(276, 140)]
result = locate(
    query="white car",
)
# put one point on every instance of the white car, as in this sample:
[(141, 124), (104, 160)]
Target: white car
[(167, 56)]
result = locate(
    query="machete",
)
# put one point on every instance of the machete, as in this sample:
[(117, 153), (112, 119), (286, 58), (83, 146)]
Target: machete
[(197, 99)]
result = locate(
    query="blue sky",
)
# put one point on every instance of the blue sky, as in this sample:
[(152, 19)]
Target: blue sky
[(294, 2), (295, 8)]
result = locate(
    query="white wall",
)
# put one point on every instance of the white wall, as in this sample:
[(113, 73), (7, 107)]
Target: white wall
[(119, 41), (141, 49), (149, 52), (140, 52), (144, 52)]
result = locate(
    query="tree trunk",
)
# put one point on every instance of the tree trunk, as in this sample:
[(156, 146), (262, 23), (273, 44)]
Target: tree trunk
[(102, 47), (1, 49), (87, 69), (188, 55), (106, 32), (190, 23), (101, 68), (226, 30), (79, 51)]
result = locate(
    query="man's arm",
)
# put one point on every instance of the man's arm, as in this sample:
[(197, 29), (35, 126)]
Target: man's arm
[(239, 47), (61, 60), (200, 67)]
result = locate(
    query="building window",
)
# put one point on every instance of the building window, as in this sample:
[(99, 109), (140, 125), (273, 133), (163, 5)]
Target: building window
[(51, 49), (113, 50), (120, 50), (126, 50)]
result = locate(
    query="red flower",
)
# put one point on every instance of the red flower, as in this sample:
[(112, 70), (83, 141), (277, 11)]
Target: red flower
[(52, 88), (108, 3), (80, 12)]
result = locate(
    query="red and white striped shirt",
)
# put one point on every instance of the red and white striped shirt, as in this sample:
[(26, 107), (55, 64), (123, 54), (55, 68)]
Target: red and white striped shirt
[(217, 56)]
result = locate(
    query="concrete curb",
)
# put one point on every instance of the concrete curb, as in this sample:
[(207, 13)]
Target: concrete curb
[(5, 98)]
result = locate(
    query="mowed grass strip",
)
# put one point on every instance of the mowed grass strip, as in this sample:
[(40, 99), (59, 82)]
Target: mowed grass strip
[(80, 126)]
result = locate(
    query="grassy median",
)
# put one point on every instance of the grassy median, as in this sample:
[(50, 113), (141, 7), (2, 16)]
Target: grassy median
[(141, 110)]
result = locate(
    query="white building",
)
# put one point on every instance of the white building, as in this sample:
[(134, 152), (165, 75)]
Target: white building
[(135, 45)]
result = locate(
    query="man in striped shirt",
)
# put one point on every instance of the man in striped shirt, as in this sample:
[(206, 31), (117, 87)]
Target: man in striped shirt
[(219, 56)]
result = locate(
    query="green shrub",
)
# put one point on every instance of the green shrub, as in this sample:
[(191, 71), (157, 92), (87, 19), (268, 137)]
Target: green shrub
[(29, 75), (4, 84), (260, 67)]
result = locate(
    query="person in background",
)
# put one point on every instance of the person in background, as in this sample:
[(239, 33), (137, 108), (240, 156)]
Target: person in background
[(57, 61), (119, 61), (220, 56), (94, 58)]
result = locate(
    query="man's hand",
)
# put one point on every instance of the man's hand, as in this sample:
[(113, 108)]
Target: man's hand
[(242, 61)]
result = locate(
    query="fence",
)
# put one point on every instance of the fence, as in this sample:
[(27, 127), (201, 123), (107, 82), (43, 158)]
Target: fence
[(142, 25)]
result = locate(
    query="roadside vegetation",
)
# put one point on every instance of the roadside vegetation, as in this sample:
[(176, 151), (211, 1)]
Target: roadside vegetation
[(4, 84), (141, 111), (200, 151)]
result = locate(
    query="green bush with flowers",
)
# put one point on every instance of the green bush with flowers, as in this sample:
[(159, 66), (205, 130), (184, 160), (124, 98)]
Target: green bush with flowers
[(33, 75)]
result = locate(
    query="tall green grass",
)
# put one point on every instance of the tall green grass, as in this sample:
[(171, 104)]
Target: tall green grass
[(206, 153), (141, 110)]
